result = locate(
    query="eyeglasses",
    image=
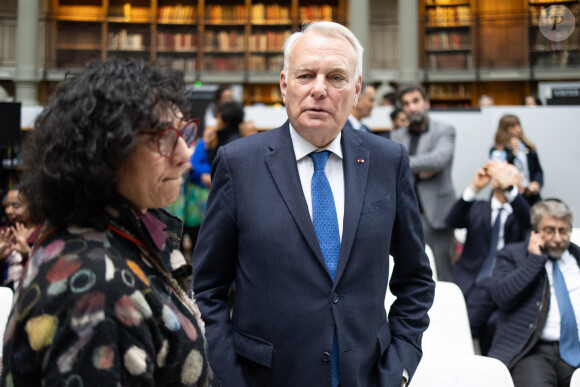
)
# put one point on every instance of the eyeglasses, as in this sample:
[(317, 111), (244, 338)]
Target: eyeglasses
[(168, 136), (550, 232)]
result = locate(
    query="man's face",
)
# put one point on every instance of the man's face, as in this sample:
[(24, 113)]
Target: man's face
[(555, 234), (415, 106), (365, 104), (401, 120), (320, 89)]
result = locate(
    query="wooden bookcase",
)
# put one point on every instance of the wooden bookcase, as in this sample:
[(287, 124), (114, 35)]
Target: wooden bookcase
[(215, 41), (548, 53), (448, 34)]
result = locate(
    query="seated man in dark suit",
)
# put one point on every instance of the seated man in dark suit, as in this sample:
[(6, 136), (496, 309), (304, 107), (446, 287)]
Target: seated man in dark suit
[(536, 286), (490, 224)]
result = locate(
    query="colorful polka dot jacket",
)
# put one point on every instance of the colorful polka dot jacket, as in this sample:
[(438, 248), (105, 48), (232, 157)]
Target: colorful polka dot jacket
[(94, 309)]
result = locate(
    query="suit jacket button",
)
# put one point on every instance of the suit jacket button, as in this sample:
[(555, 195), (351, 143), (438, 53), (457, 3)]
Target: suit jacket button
[(334, 298), (325, 357)]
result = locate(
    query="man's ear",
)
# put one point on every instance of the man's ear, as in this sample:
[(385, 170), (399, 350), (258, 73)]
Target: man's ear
[(283, 86), (357, 89)]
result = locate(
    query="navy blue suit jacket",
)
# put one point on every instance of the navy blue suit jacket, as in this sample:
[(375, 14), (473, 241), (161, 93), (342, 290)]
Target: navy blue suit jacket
[(519, 287), (475, 216), (258, 231)]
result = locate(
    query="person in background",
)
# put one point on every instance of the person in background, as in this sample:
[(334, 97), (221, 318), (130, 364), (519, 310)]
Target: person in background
[(389, 99), (532, 99), (309, 251), (106, 296), (536, 286), (486, 100), (16, 238), (513, 146), (431, 145), (363, 109), (490, 224), (230, 116), (223, 94), (399, 118)]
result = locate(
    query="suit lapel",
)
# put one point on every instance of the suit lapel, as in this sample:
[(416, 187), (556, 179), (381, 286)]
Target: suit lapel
[(281, 162), (356, 166)]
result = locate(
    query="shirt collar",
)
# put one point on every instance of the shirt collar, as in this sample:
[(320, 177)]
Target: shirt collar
[(303, 148), (496, 205)]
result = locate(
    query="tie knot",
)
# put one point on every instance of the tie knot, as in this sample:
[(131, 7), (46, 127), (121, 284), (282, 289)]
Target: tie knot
[(319, 159)]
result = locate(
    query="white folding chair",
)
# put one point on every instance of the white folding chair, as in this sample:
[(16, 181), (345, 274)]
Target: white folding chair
[(460, 370), (449, 328), (6, 296), (575, 381), (431, 257)]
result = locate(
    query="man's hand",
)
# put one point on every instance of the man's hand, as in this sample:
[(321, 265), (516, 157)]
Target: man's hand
[(534, 188), (404, 383), (481, 178), (536, 243)]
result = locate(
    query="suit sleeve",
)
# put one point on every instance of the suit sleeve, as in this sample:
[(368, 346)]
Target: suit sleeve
[(412, 280), (522, 214), (214, 271), (439, 157), (538, 173), (458, 215), (514, 275)]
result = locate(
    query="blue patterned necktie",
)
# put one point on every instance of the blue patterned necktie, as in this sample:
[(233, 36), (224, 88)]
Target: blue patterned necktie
[(569, 344), (487, 266), (325, 223)]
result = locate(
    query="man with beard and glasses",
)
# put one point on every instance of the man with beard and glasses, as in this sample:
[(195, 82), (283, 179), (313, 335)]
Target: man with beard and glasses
[(536, 286), (431, 145)]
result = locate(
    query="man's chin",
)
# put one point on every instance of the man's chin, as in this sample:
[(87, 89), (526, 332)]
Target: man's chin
[(555, 253)]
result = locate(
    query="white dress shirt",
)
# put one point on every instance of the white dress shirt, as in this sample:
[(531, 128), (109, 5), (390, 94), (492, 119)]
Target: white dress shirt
[(571, 272), (333, 170)]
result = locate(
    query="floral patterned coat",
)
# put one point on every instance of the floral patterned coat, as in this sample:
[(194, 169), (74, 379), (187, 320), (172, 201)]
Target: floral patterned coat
[(94, 308)]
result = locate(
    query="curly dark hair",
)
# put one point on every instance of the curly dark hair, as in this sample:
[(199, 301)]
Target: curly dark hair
[(86, 131)]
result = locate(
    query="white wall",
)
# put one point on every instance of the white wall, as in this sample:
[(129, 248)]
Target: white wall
[(554, 129)]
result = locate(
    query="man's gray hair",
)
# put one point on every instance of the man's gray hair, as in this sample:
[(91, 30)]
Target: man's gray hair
[(551, 207), (329, 29)]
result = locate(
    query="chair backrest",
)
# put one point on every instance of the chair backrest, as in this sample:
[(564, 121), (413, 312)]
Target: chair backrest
[(449, 324), (6, 296), (459, 370), (575, 236), (431, 257)]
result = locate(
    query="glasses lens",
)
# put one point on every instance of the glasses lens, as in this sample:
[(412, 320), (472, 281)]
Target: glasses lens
[(189, 131), (167, 141)]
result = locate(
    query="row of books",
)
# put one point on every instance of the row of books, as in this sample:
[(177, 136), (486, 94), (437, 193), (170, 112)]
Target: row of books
[(226, 13), (557, 59), (268, 41), (449, 61), (167, 41), (450, 90), (272, 64), (187, 65), (122, 40), (546, 15), (541, 42), (269, 93), (444, 40), (224, 63), (270, 14), (224, 41), (444, 16), (177, 14), (316, 12)]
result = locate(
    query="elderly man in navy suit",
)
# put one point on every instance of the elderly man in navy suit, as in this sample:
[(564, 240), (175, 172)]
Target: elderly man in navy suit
[(536, 286), (490, 224), (303, 218)]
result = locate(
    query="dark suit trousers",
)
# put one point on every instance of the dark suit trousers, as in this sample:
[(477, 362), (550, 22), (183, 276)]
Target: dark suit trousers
[(442, 244), (542, 367)]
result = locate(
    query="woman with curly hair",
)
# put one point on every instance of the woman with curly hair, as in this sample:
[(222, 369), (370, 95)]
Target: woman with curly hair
[(517, 149), (106, 297)]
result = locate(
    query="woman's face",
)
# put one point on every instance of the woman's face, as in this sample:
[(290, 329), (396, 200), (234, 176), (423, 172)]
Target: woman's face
[(16, 210), (149, 180), (515, 131)]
